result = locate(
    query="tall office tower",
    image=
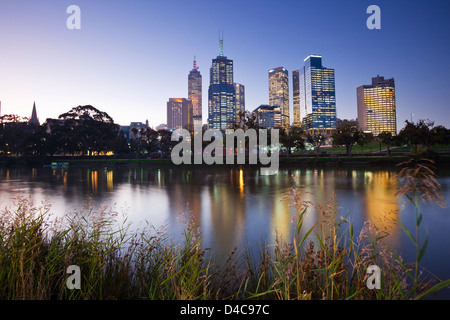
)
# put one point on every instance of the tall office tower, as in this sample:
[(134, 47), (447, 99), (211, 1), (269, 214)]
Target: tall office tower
[(317, 96), (240, 97), (279, 92), (296, 92), (376, 106), (195, 94), (179, 114), (221, 93)]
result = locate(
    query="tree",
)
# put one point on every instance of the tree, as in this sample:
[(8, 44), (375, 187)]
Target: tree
[(18, 136), (440, 134), (419, 133), (388, 139), (88, 130), (316, 139), (346, 134), (245, 120), (292, 138), (364, 138)]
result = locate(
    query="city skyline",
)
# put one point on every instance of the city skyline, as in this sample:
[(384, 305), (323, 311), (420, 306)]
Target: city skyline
[(115, 61)]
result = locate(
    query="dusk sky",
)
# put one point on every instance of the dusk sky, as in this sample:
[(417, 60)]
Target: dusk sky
[(130, 57)]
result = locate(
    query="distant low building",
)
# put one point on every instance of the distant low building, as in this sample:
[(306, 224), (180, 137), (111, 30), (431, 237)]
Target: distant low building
[(128, 131), (269, 117), (137, 126), (162, 126)]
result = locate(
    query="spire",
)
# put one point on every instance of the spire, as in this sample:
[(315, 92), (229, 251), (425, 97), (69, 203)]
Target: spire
[(195, 64), (221, 44), (34, 118)]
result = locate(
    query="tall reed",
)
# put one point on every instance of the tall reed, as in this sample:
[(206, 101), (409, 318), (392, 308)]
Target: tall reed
[(324, 261), (419, 184)]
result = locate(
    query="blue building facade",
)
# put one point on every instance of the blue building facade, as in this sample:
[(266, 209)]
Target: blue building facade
[(317, 96), (221, 94)]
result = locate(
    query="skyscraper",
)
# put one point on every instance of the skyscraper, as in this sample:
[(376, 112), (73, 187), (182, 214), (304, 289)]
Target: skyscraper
[(221, 93), (240, 97), (179, 114), (296, 95), (195, 93), (376, 106), (279, 92), (317, 96)]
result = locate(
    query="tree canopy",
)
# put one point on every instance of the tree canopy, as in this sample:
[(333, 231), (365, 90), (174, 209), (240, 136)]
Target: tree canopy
[(346, 134)]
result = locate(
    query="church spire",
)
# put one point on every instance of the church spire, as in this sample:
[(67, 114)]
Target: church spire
[(34, 118)]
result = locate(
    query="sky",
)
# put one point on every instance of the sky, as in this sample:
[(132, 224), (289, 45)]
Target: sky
[(129, 57)]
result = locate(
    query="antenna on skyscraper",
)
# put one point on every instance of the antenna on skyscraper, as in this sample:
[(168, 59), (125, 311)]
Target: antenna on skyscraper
[(195, 64), (221, 44)]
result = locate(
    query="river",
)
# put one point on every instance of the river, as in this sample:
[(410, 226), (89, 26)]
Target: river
[(238, 207)]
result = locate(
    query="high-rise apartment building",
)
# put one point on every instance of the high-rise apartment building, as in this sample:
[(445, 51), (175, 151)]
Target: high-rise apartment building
[(279, 92), (179, 114), (296, 98), (195, 93), (376, 106), (317, 96), (221, 93), (240, 97)]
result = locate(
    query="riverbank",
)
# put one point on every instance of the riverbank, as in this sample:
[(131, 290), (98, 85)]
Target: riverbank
[(320, 160)]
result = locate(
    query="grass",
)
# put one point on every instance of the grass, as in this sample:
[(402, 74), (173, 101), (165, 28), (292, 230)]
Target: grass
[(326, 261), (372, 147)]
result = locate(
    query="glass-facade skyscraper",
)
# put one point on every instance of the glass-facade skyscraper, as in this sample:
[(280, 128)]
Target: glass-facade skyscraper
[(221, 94), (195, 93), (317, 96), (240, 97), (376, 106), (296, 98), (279, 92)]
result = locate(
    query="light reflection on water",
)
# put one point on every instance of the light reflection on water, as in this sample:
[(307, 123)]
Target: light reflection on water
[(238, 206)]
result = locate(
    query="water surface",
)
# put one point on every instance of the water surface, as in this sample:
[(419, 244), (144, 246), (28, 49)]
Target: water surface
[(238, 207)]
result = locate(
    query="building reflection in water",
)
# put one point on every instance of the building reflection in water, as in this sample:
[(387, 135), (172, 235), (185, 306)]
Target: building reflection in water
[(381, 202), (226, 212), (110, 180), (236, 205)]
